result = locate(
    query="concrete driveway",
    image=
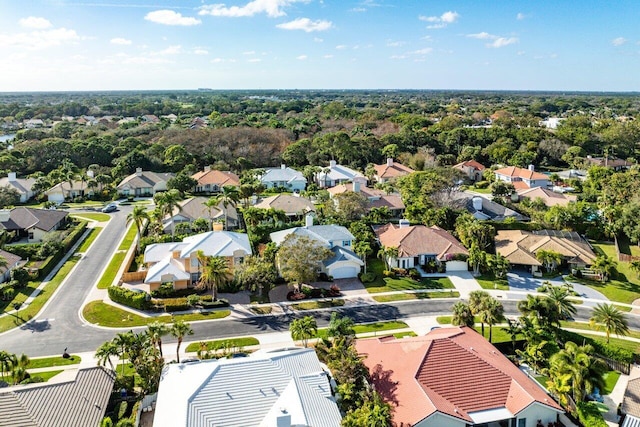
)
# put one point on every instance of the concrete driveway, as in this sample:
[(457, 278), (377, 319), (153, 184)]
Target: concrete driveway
[(524, 282)]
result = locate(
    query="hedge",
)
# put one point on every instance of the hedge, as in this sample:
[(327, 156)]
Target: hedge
[(67, 243), (603, 349), (129, 298), (589, 415), (180, 304)]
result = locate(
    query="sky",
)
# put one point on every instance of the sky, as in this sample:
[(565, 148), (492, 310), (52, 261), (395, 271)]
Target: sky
[(560, 45)]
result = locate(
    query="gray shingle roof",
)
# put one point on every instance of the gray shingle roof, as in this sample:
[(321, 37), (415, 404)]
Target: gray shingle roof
[(25, 218), (78, 403)]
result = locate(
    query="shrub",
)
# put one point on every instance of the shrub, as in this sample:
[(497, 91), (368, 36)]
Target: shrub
[(193, 299), (175, 304), (215, 304), (482, 184), (367, 277), (124, 296), (414, 274), (388, 273), (295, 296), (589, 415), (21, 276)]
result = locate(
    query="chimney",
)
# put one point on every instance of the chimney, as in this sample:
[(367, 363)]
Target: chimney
[(138, 171), (308, 220), (218, 226), (207, 168), (477, 203), (356, 186), (175, 254), (283, 419), (11, 176), (332, 163), (283, 166), (90, 173), (532, 168), (4, 215), (389, 161), (404, 223)]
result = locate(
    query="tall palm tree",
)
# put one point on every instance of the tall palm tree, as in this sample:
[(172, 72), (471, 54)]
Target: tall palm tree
[(5, 363), (609, 318), (303, 329), (605, 266), (138, 215), (19, 367), (387, 254), (167, 202), (550, 259), (211, 204), (229, 197), (586, 372), (156, 331), (180, 329), (478, 304), (215, 272), (363, 248), (122, 341), (477, 258), (462, 315), (104, 353), (492, 313), (513, 329), (559, 298)]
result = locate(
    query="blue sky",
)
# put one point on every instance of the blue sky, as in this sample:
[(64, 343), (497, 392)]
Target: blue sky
[(311, 44)]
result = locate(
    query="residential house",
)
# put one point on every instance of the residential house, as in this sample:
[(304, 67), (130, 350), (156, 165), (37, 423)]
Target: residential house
[(195, 208), (78, 402), (377, 198), (453, 377), (292, 205), (177, 262), (70, 190), (212, 180), (551, 122), (390, 171), (13, 261), (485, 209), (283, 177), (198, 123), (606, 162), (24, 186), (630, 406), (32, 123), (32, 224), (419, 245), (337, 174), (284, 387), (144, 183), (171, 117), (149, 118), (522, 178), (471, 169), (344, 264), (520, 247), (548, 197)]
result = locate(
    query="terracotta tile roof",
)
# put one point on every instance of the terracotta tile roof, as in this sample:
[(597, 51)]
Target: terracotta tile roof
[(394, 170), (550, 198), (519, 185), (454, 371), (470, 164), (513, 171), (418, 239), (216, 177)]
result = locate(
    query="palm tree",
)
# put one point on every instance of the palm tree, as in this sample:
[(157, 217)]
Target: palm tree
[(363, 248), (387, 254), (478, 304), (180, 329), (611, 319), (550, 259), (138, 215), (513, 329), (462, 315), (492, 313), (635, 266), (499, 265), (122, 341), (5, 363), (19, 368), (104, 353), (215, 272), (605, 266), (167, 202), (477, 258), (211, 204), (156, 331), (229, 197), (303, 329), (558, 297), (586, 373)]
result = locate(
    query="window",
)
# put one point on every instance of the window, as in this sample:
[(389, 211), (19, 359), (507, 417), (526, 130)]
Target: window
[(31, 235), (238, 260), (195, 277), (346, 243), (522, 422)]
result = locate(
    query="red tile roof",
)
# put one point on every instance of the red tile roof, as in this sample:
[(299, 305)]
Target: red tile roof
[(470, 164), (394, 170), (454, 371), (521, 173), (216, 177)]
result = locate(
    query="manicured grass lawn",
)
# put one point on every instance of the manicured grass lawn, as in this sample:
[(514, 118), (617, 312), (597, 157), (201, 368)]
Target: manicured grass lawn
[(112, 269), (220, 344), (47, 375), (388, 284), (587, 327), (498, 335), (26, 314), (625, 287), (313, 305), (93, 234), (480, 190), (370, 327), (99, 313), (128, 238), (419, 295), (610, 380), (100, 217), (45, 362), (261, 310), (405, 334), (489, 282)]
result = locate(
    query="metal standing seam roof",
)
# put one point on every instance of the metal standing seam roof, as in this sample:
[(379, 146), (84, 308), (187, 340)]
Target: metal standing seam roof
[(338, 172), (78, 403)]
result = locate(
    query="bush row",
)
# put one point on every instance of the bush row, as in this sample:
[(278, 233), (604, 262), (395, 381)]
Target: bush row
[(601, 348), (129, 298), (67, 243), (589, 415), (181, 304)]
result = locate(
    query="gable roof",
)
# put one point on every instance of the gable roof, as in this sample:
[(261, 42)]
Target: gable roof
[(520, 247), (144, 179), (22, 218), (248, 391), (341, 254), (415, 240), (377, 198), (392, 169), (514, 171), (22, 185), (454, 371), (78, 403), (291, 205), (325, 234), (65, 187), (216, 243), (194, 208), (168, 267), (285, 174), (338, 172), (550, 198), (216, 177), (470, 164), (12, 260), (490, 209)]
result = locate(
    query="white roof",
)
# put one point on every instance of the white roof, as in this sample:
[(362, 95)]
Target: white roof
[(250, 391), (216, 243), (490, 415), (324, 234), (338, 172), (165, 269), (282, 174), (159, 251), (631, 421)]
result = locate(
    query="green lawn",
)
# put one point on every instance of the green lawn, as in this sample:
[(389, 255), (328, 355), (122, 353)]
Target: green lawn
[(99, 313), (128, 238), (498, 335), (625, 287), (100, 217), (490, 282), (24, 315), (86, 243), (46, 375), (610, 380), (314, 305), (370, 327), (45, 362), (112, 269), (226, 343), (480, 190), (405, 334), (387, 284), (419, 295)]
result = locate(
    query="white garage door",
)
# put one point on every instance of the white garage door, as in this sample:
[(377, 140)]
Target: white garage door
[(344, 272)]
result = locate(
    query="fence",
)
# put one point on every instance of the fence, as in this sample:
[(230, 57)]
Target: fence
[(133, 276), (616, 365)]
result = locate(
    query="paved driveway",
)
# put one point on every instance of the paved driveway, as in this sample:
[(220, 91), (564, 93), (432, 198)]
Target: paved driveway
[(525, 282)]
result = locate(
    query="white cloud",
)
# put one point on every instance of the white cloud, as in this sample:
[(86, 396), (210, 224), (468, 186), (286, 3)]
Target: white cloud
[(200, 51), (618, 41), (441, 21), (398, 57), (425, 51), (171, 50), (306, 25), (318, 40), (301, 57), (272, 8), (502, 42), (359, 9), (217, 60), (328, 56), (341, 46), (35, 23), (170, 17), (249, 52), (120, 41), (395, 43), (36, 40), (482, 36), (520, 16)]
